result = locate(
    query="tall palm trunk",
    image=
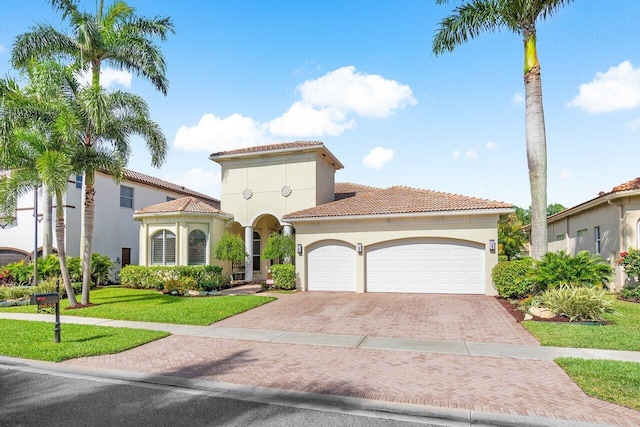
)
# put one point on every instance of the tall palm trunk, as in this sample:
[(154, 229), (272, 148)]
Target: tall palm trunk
[(536, 146), (88, 212), (47, 238), (62, 253)]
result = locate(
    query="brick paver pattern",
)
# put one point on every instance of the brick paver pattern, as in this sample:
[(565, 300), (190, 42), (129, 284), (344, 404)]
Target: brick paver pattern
[(487, 384), (475, 318)]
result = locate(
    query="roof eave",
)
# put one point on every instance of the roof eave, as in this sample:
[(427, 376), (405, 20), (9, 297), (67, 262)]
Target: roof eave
[(497, 211), (140, 216), (336, 163)]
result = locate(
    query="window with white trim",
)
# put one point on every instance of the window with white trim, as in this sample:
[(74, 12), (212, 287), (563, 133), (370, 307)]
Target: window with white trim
[(596, 234), (126, 197), (163, 248), (79, 181)]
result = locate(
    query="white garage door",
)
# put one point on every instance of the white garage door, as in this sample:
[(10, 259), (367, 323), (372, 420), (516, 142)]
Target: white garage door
[(332, 267), (426, 267)]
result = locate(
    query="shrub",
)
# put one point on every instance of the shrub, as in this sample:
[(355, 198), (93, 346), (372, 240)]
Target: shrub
[(631, 293), (630, 262), (5, 278), (15, 292), (284, 276), (21, 272), (577, 303), (180, 285), (511, 278), (556, 269), (143, 277), (101, 266), (206, 277), (49, 267), (49, 285), (279, 247)]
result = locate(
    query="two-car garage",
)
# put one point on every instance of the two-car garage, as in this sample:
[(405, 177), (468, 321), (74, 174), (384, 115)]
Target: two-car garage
[(426, 265)]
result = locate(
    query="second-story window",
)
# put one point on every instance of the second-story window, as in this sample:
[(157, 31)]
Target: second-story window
[(126, 197)]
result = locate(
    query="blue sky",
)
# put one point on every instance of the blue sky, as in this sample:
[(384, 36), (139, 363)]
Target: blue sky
[(360, 76)]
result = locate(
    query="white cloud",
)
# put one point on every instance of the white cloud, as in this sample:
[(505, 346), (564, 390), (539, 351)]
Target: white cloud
[(565, 174), (2, 49), (368, 95), (491, 145), (616, 89), (108, 77), (304, 120), (633, 125), (517, 99), (456, 154), (213, 134), (471, 154), (197, 179), (377, 158)]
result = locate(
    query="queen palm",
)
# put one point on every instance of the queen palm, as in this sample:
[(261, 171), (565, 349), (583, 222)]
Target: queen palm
[(117, 37), (469, 20), (34, 150)]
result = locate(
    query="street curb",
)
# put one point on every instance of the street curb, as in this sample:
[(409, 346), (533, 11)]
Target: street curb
[(350, 405)]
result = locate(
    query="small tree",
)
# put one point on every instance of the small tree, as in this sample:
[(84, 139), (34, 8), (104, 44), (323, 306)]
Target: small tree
[(511, 238), (280, 247), (230, 248)]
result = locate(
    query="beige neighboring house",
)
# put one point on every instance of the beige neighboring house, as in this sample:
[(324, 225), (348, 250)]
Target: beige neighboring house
[(349, 237), (605, 225)]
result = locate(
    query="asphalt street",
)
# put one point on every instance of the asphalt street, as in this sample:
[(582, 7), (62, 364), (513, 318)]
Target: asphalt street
[(37, 399)]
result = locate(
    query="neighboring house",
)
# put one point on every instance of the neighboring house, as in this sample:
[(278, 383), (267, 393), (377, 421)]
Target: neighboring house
[(605, 225), (116, 233), (349, 237)]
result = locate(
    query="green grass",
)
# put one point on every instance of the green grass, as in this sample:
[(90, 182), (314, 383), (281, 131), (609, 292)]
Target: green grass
[(151, 306), (621, 333), (34, 340), (612, 381)]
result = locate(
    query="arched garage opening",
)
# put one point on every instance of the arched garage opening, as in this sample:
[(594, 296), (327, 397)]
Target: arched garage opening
[(426, 265), (9, 255), (331, 266)]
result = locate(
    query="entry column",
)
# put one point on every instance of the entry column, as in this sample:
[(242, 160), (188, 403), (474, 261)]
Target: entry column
[(248, 247)]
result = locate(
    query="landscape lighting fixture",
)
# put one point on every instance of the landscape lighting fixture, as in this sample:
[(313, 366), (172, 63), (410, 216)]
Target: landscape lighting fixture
[(359, 248)]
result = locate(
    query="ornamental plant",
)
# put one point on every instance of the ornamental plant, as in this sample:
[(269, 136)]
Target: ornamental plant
[(556, 269), (630, 262), (230, 248), (577, 303)]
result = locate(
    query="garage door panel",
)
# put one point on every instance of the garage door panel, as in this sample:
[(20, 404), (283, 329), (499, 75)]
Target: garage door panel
[(425, 267), (331, 267)]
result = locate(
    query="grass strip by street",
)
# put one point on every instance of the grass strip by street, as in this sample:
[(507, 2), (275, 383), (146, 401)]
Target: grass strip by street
[(620, 333), (151, 306), (34, 340), (608, 380)]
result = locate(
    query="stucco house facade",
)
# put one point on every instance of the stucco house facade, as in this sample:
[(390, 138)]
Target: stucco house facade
[(349, 237), (605, 225), (116, 233)]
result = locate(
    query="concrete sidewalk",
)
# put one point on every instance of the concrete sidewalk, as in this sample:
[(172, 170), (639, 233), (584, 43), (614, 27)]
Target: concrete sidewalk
[(529, 352)]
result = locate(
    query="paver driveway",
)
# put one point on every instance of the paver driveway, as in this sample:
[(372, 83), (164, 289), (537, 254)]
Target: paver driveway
[(475, 318)]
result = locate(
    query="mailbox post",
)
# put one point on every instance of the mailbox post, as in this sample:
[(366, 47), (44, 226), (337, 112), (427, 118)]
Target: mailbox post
[(47, 300)]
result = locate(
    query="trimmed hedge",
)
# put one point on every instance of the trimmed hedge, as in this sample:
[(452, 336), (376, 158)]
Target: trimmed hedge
[(204, 277), (512, 279), (284, 276)]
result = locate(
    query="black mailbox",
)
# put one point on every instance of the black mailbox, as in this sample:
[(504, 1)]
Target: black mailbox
[(46, 298)]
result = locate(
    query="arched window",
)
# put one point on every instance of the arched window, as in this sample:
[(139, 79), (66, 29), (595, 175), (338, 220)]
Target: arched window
[(197, 246), (256, 251), (163, 248)]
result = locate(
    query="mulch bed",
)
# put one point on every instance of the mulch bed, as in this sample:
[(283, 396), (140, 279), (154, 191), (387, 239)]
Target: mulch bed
[(519, 315)]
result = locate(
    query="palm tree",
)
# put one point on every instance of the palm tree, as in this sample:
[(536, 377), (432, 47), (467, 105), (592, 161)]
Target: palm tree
[(34, 150), (519, 16), (115, 36)]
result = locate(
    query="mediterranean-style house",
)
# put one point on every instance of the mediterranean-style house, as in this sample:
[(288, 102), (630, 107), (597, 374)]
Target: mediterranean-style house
[(115, 231), (605, 225), (349, 237)]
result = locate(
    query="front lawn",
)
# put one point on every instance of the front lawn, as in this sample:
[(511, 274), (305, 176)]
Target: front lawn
[(620, 333), (612, 381), (34, 340), (151, 306)]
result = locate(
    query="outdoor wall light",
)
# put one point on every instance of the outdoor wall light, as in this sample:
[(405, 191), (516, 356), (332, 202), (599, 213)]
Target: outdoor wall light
[(359, 248), (492, 245), (299, 249)]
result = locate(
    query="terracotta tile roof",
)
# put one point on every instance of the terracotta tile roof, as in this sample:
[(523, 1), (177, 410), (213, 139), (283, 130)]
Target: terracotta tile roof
[(183, 204), (166, 185), (272, 147), (344, 190), (397, 200), (634, 184)]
